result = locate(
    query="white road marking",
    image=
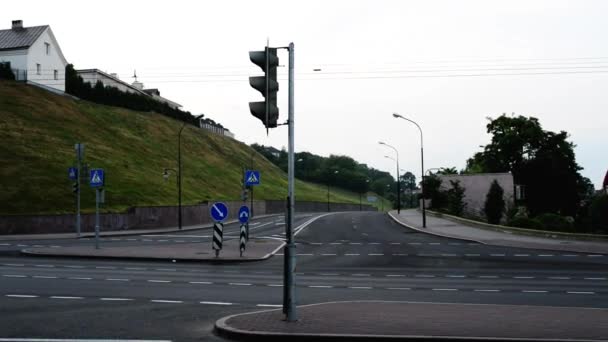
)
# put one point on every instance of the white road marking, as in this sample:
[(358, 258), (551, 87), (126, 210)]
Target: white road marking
[(545, 255), (116, 279), (275, 285), (5, 244), (53, 246), (374, 243), (448, 255), (534, 291), (216, 303), (38, 246), (158, 281), (80, 278), (375, 254), (360, 287), (594, 255), (22, 245), (360, 274), (424, 276), (166, 301), (398, 288), (304, 254), (414, 243), (239, 284), (486, 290), (395, 275), (115, 299), (559, 278), (65, 297), (569, 255), (20, 296), (328, 254), (488, 277), (14, 276), (15, 265), (399, 254), (497, 255), (44, 277), (434, 243), (581, 292), (320, 286), (522, 255), (523, 277), (329, 274), (455, 276), (317, 243), (395, 243), (595, 278), (355, 243), (135, 268), (201, 282), (269, 305), (49, 266), (445, 289), (105, 267), (351, 254), (166, 269), (73, 266)]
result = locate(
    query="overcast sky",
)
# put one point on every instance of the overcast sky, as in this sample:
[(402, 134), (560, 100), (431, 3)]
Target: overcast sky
[(421, 59)]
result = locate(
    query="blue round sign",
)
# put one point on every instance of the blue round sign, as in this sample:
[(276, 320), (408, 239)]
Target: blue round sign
[(219, 211), (244, 214)]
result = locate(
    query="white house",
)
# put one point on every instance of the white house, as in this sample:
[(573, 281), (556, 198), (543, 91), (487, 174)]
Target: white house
[(34, 55)]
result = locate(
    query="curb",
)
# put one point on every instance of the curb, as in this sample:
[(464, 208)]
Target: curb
[(420, 230), (522, 231)]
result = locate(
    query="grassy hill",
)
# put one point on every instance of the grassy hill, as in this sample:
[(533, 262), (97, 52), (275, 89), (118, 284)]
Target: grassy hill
[(39, 130)]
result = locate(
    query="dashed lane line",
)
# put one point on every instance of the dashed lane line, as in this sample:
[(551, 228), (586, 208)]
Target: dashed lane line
[(158, 281), (20, 296), (216, 303), (117, 279), (65, 297), (239, 284), (167, 301), (116, 299)]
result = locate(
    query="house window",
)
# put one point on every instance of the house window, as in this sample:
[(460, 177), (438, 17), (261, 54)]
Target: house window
[(56, 74), (38, 69), (47, 47)]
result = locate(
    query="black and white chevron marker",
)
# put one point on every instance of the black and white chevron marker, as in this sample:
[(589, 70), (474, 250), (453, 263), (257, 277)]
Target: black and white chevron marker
[(243, 238), (218, 234)]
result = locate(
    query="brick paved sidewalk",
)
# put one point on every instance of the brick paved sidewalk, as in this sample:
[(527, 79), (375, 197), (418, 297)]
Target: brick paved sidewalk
[(389, 320), (257, 249), (448, 228)]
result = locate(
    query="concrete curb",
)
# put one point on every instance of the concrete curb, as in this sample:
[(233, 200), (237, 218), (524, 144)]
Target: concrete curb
[(522, 231), (432, 233)]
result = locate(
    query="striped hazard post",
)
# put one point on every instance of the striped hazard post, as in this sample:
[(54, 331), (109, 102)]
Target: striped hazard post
[(218, 236), (243, 238), (219, 213)]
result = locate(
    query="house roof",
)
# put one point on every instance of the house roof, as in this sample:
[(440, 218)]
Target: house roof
[(20, 39), (606, 181)]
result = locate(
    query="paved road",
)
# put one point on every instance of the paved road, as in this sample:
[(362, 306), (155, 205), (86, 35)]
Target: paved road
[(343, 256)]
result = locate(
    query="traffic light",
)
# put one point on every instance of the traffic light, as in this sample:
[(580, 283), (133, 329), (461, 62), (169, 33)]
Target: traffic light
[(75, 187), (267, 110)]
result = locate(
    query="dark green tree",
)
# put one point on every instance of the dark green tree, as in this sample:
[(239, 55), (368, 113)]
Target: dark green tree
[(455, 199), (5, 71), (495, 203)]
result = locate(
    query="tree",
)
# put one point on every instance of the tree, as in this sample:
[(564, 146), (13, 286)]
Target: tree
[(6, 72), (455, 199), (432, 185), (447, 171), (495, 203), (598, 211), (542, 161)]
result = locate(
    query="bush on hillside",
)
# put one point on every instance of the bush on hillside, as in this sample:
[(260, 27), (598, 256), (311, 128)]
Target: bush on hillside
[(5, 71), (525, 222), (555, 222), (495, 203)]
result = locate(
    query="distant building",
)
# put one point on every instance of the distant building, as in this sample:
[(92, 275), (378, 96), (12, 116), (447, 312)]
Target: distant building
[(216, 129), (111, 80), (276, 153), (605, 184), (34, 55), (476, 187)]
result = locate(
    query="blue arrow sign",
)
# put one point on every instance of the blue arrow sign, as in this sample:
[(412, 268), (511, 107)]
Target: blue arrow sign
[(244, 214), (252, 177), (219, 211), (97, 178), (73, 173)]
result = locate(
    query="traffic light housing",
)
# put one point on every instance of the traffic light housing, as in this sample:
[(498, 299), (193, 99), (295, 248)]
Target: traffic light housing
[(267, 111), (75, 187)]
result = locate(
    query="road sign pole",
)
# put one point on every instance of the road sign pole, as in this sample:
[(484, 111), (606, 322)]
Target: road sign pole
[(291, 247), (79, 152), (97, 200)]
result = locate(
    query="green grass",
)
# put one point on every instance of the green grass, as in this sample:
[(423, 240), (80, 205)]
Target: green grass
[(39, 130)]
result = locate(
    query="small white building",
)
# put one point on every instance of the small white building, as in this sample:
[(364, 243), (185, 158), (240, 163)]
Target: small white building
[(34, 55)]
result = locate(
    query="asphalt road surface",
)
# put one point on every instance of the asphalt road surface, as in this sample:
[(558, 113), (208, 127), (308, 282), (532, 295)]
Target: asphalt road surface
[(341, 256)]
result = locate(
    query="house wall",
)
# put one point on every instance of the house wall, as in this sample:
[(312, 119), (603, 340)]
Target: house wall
[(17, 58), (48, 63), (476, 188)]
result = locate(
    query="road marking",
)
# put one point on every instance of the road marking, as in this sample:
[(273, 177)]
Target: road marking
[(22, 245), (534, 291), (38, 246), (434, 243), (80, 278), (351, 254), (20, 296), (65, 297), (163, 240), (395, 243), (304, 254), (329, 274), (14, 276), (486, 290), (414, 243), (336, 243), (135, 268), (275, 285), (569, 255), (355, 243), (374, 243), (454, 243), (269, 305), (166, 301), (239, 284), (5, 244), (320, 286), (15, 265), (360, 274), (448, 255), (497, 255), (216, 303), (73, 266), (399, 254), (328, 254), (317, 243), (522, 255), (116, 279), (116, 299), (53, 246), (559, 278), (360, 287), (279, 253), (522, 277), (455, 276), (424, 276), (488, 277), (398, 288), (445, 289), (580, 292), (395, 275), (158, 281), (44, 277), (594, 255), (48, 266), (545, 255), (375, 254), (595, 278), (201, 282), (105, 267), (166, 269), (131, 239), (472, 255)]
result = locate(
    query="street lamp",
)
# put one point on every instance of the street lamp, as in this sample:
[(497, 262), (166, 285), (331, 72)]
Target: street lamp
[(421, 165), (335, 173), (398, 183), (179, 171)]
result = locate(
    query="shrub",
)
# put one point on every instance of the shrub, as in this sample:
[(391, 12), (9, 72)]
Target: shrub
[(495, 203), (525, 222), (455, 198), (5, 71), (555, 222)]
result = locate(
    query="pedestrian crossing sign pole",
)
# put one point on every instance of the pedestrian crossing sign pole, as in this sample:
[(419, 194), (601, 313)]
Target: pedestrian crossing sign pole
[(219, 213)]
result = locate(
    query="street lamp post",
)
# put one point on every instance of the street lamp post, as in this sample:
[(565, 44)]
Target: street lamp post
[(179, 172), (421, 165), (328, 209), (398, 182)]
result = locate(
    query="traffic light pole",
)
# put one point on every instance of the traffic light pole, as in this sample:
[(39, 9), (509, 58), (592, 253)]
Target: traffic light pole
[(290, 250)]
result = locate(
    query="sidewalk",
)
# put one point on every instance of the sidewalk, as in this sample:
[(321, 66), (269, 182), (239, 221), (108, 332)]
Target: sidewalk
[(381, 320), (257, 249), (412, 218), (174, 229)]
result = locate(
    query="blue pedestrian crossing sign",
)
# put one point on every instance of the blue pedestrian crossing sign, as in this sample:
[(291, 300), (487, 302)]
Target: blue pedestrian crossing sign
[(97, 178), (219, 212), (73, 173), (244, 214), (252, 177)]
